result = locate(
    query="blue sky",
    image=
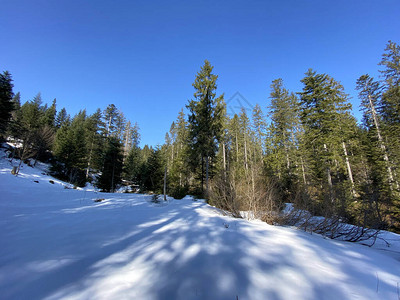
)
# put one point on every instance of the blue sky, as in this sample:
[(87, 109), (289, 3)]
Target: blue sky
[(143, 55)]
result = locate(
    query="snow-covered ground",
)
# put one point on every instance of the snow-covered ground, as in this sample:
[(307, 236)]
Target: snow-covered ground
[(57, 243)]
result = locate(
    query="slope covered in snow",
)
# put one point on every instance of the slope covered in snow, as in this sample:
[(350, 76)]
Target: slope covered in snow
[(58, 243)]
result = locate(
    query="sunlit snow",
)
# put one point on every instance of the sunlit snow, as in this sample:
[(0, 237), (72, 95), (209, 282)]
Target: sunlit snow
[(58, 243)]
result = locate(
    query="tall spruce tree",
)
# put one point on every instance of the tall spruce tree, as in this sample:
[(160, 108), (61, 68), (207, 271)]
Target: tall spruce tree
[(177, 157), (62, 118), (390, 111), (70, 150), (259, 129), (390, 104), (6, 104), (324, 108), (133, 160), (205, 122), (283, 135), (370, 92), (110, 176)]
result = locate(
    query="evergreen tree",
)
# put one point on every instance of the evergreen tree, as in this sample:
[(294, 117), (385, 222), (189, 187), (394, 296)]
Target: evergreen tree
[(370, 92), (6, 103), (95, 142), (283, 134), (205, 121), (110, 118), (133, 165), (177, 157), (153, 171), (259, 129), (62, 118), (390, 105), (70, 151), (324, 108), (49, 115), (28, 129), (390, 111), (17, 101), (110, 176)]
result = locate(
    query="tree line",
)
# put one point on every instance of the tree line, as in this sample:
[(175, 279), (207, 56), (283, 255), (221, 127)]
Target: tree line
[(306, 148)]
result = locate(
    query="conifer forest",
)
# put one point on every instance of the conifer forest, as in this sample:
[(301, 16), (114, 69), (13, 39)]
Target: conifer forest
[(303, 147)]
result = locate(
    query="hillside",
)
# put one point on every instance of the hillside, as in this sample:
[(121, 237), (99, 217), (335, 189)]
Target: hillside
[(57, 243)]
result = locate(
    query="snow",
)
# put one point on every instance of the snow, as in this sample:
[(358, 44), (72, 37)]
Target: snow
[(57, 243)]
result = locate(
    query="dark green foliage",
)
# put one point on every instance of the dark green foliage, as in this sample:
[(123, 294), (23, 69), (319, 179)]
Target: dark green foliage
[(62, 118), (152, 173), (110, 176), (94, 142), (391, 62), (6, 103), (283, 137), (327, 130), (133, 165), (177, 153), (205, 120), (49, 115), (70, 150), (390, 112)]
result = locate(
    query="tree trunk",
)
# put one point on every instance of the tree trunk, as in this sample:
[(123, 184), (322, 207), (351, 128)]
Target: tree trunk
[(126, 146), (245, 154), (90, 158), (223, 155), (382, 144), (112, 178), (237, 149), (349, 169), (165, 184), (287, 160), (207, 191), (202, 175), (108, 127), (302, 169), (329, 177)]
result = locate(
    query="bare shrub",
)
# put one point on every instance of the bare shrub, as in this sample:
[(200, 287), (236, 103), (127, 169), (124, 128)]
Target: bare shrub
[(251, 192), (223, 195)]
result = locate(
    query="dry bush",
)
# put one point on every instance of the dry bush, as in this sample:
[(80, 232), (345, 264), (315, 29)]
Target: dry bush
[(251, 192), (302, 215), (223, 195)]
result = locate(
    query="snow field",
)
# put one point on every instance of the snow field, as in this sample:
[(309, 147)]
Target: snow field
[(58, 243)]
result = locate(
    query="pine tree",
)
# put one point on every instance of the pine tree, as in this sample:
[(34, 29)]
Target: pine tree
[(62, 118), (133, 165), (27, 128), (390, 105), (110, 118), (370, 92), (205, 122), (6, 103), (283, 138), (177, 157), (324, 108), (70, 151), (94, 142), (49, 115), (110, 176), (153, 171), (259, 129), (390, 111)]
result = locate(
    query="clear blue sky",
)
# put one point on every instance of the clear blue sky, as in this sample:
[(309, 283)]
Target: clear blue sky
[(143, 55)]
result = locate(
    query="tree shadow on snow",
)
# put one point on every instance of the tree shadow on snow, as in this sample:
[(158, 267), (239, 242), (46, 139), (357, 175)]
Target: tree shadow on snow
[(186, 253)]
